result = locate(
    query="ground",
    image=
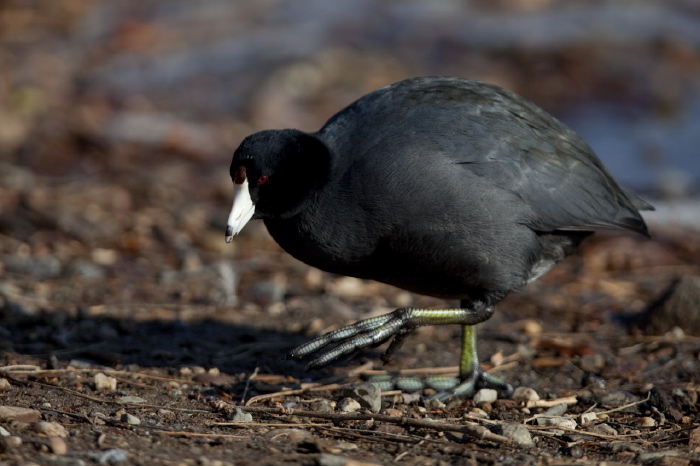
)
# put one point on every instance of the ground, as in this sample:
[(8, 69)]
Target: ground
[(130, 331)]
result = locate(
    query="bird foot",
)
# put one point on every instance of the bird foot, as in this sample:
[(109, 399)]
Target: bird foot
[(446, 387)]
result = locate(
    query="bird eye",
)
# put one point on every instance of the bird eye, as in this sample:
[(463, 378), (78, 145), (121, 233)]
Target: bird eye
[(262, 179)]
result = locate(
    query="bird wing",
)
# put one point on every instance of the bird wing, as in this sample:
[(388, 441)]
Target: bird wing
[(530, 153)]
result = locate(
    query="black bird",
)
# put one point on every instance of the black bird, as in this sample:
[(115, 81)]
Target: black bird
[(442, 186)]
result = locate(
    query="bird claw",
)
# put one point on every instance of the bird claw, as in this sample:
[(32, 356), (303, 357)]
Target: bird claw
[(469, 385), (354, 337)]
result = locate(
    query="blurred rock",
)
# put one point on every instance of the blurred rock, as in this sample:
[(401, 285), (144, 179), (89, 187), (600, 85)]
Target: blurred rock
[(367, 394), (51, 429), (239, 415), (678, 306), (15, 413), (104, 382), (348, 405), (517, 433)]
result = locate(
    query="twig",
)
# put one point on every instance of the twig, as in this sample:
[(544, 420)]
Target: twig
[(629, 405), (569, 400), (299, 391), (247, 384), (472, 430)]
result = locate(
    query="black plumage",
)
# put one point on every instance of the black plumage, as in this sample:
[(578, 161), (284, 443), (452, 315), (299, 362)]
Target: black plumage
[(442, 186)]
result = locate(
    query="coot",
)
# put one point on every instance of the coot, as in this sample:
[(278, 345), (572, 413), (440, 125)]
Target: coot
[(442, 186)]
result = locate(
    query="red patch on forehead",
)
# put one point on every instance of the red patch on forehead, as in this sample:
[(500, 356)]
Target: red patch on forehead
[(240, 176)]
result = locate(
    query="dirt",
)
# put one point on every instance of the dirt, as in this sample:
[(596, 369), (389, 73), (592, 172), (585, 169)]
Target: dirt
[(131, 332)]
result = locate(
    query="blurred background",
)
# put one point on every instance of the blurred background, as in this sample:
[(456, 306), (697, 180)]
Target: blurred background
[(118, 121)]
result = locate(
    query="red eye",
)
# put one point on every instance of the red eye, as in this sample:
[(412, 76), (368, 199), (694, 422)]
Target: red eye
[(262, 179)]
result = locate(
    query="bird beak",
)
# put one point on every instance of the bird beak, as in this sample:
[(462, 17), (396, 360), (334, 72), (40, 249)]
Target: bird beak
[(242, 210)]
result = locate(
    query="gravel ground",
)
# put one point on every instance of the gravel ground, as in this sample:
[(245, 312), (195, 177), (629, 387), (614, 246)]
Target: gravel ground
[(130, 333)]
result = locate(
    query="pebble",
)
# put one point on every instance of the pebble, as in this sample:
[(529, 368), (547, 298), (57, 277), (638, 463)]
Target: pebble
[(586, 418), (4, 432), (367, 394), (58, 445), (10, 443), (554, 411), (348, 405), (525, 394), (434, 404), (557, 410), (615, 399), (618, 446), (15, 413), (289, 436), (646, 422), (113, 456), (4, 383), (488, 395), (131, 400), (561, 422), (323, 406), (478, 412), (517, 433), (694, 440), (51, 429), (603, 429), (104, 382), (239, 415), (653, 456), (130, 419), (327, 459)]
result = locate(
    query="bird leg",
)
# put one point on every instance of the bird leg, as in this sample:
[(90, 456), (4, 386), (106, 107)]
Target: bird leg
[(399, 324)]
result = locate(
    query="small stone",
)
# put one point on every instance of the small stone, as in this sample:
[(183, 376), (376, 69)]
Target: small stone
[(604, 429), (618, 446), (587, 418), (131, 400), (14, 413), (478, 412), (10, 443), (348, 405), (58, 445), (615, 399), (556, 410), (488, 395), (4, 383), (4, 432), (677, 307), (562, 422), (525, 394), (694, 440), (289, 436), (104, 382), (113, 456), (517, 433), (658, 457), (434, 404), (130, 419), (323, 406), (239, 415), (575, 451), (646, 422), (367, 394), (51, 429)]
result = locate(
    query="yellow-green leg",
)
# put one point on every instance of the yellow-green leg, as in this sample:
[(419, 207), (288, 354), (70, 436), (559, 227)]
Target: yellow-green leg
[(399, 324)]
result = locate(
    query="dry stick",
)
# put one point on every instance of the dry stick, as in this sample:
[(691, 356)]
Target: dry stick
[(474, 431), (333, 386), (247, 384), (629, 405)]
